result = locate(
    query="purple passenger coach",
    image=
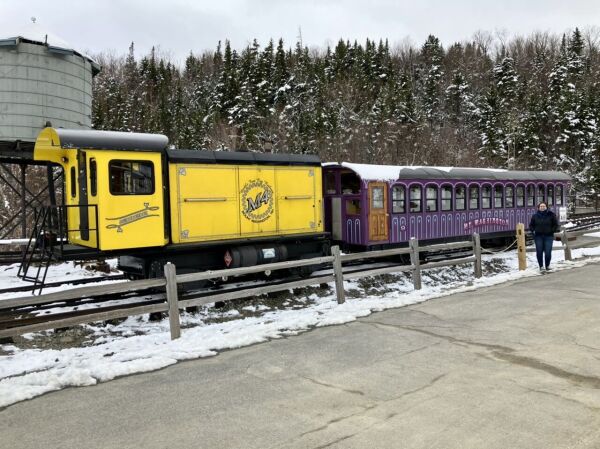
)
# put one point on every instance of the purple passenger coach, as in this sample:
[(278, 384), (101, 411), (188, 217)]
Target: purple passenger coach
[(375, 206)]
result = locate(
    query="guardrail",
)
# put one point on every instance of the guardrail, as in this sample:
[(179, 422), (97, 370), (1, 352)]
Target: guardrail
[(172, 280), (567, 245)]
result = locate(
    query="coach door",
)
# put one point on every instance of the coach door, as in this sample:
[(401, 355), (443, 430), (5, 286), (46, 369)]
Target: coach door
[(378, 211), (84, 222)]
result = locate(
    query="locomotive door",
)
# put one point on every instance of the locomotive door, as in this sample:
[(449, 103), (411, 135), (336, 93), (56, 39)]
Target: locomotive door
[(84, 222), (378, 211)]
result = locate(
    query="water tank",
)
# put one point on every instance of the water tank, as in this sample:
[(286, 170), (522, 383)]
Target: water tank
[(42, 79)]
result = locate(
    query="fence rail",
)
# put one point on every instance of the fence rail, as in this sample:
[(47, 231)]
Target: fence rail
[(172, 280)]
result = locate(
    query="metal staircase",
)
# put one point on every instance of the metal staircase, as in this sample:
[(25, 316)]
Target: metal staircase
[(38, 254)]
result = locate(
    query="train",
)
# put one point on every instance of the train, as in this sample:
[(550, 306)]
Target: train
[(131, 196)]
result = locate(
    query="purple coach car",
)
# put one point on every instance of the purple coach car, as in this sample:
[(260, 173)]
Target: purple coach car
[(382, 205)]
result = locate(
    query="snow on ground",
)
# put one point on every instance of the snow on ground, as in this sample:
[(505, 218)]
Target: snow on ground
[(102, 351)]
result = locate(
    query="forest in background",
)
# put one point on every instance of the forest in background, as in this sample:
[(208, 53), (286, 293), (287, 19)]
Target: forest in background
[(522, 102)]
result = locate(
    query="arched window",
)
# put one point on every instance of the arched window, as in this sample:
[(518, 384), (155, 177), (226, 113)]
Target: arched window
[(509, 195), (446, 197), (398, 199), (432, 198), (559, 195), (530, 195), (474, 197), (550, 192), (460, 196), (415, 198), (541, 191), (486, 197), (498, 196), (520, 195)]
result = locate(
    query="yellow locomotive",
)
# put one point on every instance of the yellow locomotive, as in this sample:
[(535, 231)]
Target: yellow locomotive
[(127, 194)]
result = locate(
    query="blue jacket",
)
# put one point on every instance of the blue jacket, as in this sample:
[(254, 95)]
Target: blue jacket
[(544, 223)]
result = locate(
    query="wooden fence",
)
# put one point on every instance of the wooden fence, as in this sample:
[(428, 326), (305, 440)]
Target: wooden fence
[(172, 280)]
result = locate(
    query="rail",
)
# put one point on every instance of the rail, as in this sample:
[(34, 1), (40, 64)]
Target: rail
[(171, 281)]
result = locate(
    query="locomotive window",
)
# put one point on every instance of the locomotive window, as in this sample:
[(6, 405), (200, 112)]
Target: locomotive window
[(73, 183), (520, 196), (377, 198), (530, 195), (432, 196), (486, 197), (330, 187), (474, 197), (559, 195), (498, 196), (446, 198), (461, 195), (350, 183), (131, 177), (352, 207), (510, 196), (550, 195), (541, 194), (398, 199), (415, 198), (93, 177)]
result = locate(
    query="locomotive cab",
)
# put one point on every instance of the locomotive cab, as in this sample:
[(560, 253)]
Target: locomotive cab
[(113, 187)]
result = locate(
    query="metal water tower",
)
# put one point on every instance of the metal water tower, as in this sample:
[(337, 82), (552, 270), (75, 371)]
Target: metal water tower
[(43, 81)]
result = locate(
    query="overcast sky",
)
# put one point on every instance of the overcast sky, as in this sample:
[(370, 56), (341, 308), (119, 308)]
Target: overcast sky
[(181, 26)]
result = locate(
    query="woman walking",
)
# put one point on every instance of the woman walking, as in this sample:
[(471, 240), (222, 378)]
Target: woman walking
[(543, 225)]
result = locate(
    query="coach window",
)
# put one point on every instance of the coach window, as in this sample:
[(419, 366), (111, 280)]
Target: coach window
[(352, 207), (509, 194), (131, 177), (446, 198), (474, 197), (541, 191), (432, 197), (350, 183), (73, 183), (330, 187), (498, 196), (520, 196), (486, 197), (559, 195), (530, 195), (398, 199), (415, 198), (93, 177), (460, 196), (550, 192), (377, 197)]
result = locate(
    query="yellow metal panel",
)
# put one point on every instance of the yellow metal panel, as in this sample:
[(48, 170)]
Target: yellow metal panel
[(207, 202), (128, 221), (257, 201), (297, 199)]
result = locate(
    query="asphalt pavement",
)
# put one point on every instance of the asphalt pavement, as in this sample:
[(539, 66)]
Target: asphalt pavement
[(511, 366)]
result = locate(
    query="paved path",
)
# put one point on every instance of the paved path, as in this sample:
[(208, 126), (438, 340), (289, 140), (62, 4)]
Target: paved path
[(512, 366)]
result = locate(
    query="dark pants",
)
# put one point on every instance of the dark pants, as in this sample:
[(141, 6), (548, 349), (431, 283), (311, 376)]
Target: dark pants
[(543, 249)]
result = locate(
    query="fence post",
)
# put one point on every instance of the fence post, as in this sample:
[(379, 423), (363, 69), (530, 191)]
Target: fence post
[(477, 254), (172, 300), (416, 262), (521, 249), (564, 237), (339, 276)]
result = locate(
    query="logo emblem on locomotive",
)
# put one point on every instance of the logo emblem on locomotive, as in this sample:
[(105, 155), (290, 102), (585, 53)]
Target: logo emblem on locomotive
[(257, 201)]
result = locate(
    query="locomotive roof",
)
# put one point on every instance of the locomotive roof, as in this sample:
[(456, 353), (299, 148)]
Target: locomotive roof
[(110, 140), (241, 157), (394, 172)]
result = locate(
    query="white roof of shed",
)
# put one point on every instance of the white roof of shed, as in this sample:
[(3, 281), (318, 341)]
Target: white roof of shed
[(34, 32)]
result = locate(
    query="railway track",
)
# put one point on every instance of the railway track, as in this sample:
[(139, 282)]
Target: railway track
[(27, 315)]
